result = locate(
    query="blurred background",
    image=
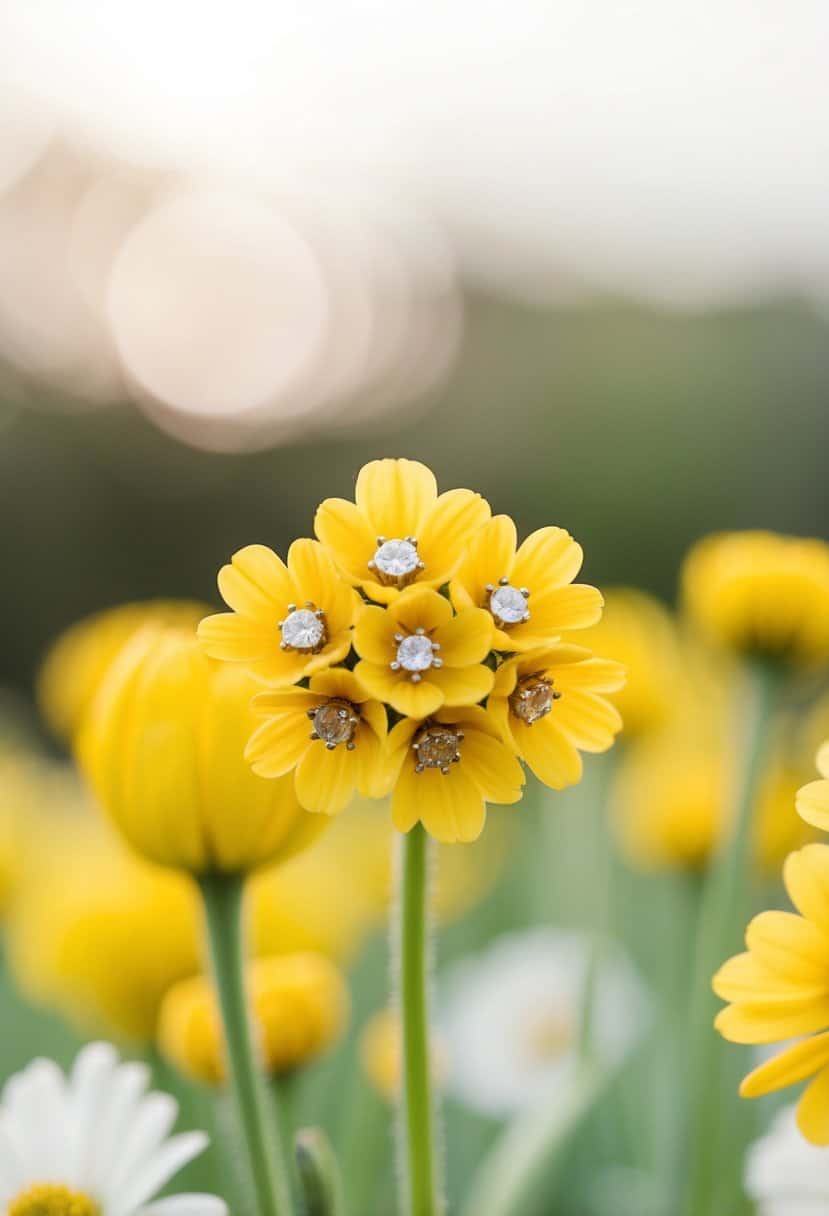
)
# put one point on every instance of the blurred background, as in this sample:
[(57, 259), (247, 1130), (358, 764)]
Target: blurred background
[(575, 255)]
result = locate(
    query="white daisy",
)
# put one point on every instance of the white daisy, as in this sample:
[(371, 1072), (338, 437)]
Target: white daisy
[(94, 1143), (512, 1016), (784, 1174)]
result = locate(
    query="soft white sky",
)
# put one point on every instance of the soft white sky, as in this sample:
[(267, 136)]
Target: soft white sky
[(675, 147)]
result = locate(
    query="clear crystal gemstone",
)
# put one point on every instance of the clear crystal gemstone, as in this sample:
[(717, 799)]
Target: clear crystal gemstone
[(415, 653), (396, 558), (508, 605), (302, 629)]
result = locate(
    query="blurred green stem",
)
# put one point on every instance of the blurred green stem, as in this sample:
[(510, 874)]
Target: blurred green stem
[(222, 896), (418, 1173), (726, 907)]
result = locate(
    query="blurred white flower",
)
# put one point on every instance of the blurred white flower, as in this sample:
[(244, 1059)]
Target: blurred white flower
[(94, 1143), (784, 1174), (512, 1016)]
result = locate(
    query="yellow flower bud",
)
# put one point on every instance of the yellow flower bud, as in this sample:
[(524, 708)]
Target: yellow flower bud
[(77, 662), (163, 746), (299, 1004)]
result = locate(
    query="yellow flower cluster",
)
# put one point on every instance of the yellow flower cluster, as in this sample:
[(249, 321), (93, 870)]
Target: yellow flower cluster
[(415, 648)]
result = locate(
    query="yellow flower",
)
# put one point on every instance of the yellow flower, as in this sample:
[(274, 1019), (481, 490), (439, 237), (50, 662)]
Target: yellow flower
[(639, 632), (448, 767), (330, 736), (400, 530), (813, 799), (416, 656), (288, 621), (546, 706), (163, 746), (77, 662), (381, 1054), (299, 1004), (779, 990), (96, 932), (529, 590), (761, 593)]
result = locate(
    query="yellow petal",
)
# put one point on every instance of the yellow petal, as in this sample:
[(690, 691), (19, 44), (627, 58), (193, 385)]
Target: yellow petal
[(395, 496), (497, 709), (421, 608), (316, 580), (374, 635), (412, 700), (823, 760), (466, 638), (792, 1065), (448, 530), (806, 875), (506, 677), (450, 807), (589, 722), (490, 556), (236, 639), (813, 804), (547, 558), (256, 583), (551, 757), (462, 685), (772, 1021), (345, 532), (338, 682), (326, 780), (372, 771), (278, 745), (744, 978), (492, 767), (592, 675), (574, 607), (788, 944), (813, 1110)]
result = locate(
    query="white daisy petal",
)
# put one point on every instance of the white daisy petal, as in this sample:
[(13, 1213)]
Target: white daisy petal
[(784, 1174), (170, 1158), (11, 1166), (89, 1083), (126, 1091), (186, 1205), (153, 1122)]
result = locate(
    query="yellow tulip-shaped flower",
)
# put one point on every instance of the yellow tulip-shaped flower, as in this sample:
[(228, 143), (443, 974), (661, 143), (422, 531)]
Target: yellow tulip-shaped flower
[(164, 749), (639, 632), (813, 799), (448, 767), (548, 707), (528, 589), (331, 736), (299, 1005), (779, 990), (400, 530), (77, 662), (761, 593), (288, 621), (417, 656)]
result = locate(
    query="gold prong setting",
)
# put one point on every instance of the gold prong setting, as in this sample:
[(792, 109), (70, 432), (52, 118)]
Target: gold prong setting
[(507, 604), (415, 654), (396, 562), (335, 721), (304, 629), (437, 746)]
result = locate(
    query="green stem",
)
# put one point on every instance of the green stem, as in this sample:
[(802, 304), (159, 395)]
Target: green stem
[(222, 898), (418, 1174), (726, 907)]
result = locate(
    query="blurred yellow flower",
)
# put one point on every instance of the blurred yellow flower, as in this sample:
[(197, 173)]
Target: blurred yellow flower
[(163, 746), (380, 1053), (330, 737), (547, 705), (639, 632), (299, 1004), (417, 656), (447, 768), (24, 782), (95, 931), (761, 593), (527, 589), (399, 530), (77, 662), (813, 799), (779, 990), (288, 621)]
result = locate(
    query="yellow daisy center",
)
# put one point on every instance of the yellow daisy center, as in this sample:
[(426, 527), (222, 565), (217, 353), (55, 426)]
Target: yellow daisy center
[(548, 1035), (335, 721), (49, 1199), (507, 604), (396, 562), (304, 629), (437, 746), (532, 698)]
